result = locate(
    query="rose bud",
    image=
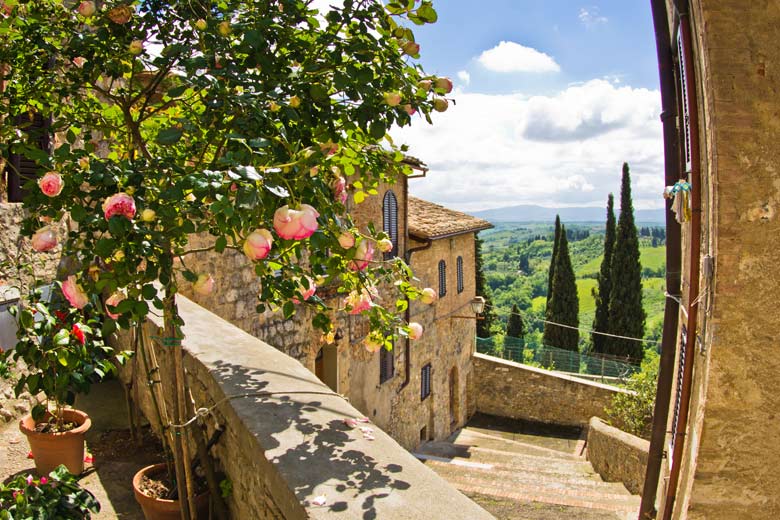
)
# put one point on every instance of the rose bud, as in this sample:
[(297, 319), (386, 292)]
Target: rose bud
[(346, 240), (121, 14), (385, 245), (411, 48), (200, 24), (86, 9), (444, 84), (204, 284), (425, 85), (295, 102), (148, 215), (409, 109), (440, 104), (51, 184), (258, 244), (136, 47), (393, 99), (339, 186), (415, 330), (45, 239), (224, 28), (428, 296)]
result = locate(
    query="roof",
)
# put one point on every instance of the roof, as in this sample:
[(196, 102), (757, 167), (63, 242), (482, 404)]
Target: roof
[(430, 221)]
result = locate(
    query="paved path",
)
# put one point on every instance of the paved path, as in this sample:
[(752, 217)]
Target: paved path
[(516, 471), (116, 457)]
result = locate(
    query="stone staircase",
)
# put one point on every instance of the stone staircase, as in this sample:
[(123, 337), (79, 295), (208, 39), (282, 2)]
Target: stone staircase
[(515, 472)]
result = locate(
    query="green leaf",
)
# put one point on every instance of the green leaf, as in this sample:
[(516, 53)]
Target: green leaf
[(78, 212), (61, 338), (220, 244), (169, 136), (38, 412), (148, 291)]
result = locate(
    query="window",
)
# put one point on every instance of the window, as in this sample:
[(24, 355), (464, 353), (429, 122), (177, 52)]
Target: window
[(459, 266), (425, 382), (685, 115), (442, 278), (386, 365), (390, 222), (19, 168)]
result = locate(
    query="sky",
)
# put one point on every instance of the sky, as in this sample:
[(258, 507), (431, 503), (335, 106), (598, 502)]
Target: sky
[(551, 97)]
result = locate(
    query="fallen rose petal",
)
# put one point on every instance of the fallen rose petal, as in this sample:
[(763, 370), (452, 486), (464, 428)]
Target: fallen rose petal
[(319, 500)]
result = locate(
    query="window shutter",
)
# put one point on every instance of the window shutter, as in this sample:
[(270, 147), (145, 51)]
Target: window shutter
[(425, 382), (390, 222), (386, 365), (442, 278), (459, 266), (685, 122), (20, 169)]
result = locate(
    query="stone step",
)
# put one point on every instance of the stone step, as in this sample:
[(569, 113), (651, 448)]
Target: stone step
[(562, 494), (510, 478), (526, 446)]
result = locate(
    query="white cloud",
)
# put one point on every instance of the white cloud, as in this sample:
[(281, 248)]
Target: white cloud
[(490, 151), (590, 16), (464, 77), (513, 57)]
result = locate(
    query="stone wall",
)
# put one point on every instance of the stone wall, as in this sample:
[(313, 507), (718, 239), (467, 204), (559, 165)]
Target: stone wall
[(729, 467), (508, 389), (285, 441), (616, 455)]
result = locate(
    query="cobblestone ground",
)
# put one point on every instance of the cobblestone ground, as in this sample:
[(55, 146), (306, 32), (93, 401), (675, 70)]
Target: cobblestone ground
[(519, 471)]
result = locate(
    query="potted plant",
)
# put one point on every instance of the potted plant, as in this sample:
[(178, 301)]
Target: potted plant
[(64, 353), (57, 495), (259, 126)]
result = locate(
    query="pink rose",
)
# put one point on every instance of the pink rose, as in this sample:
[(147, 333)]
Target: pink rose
[(425, 85), (119, 204), (204, 284), (385, 245), (51, 184), (29, 480), (121, 14), (44, 239), (347, 240), (409, 109), (295, 224), (44, 480), (86, 9), (339, 186), (258, 244), (113, 301), (74, 293), (392, 99), (444, 84), (79, 62), (363, 255), (415, 330), (359, 301), (428, 296), (306, 293)]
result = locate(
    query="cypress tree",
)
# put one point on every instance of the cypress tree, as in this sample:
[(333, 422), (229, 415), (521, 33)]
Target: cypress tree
[(601, 319), (564, 306), (515, 327), (489, 315), (626, 315), (551, 272)]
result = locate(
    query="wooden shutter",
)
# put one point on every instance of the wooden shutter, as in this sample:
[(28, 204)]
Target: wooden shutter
[(20, 169), (685, 121), (442, 278), (459, 267), (390, 222), (386, 365), (425, 382)]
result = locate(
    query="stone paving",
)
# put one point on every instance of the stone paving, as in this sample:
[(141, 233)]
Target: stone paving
[(521, 471)]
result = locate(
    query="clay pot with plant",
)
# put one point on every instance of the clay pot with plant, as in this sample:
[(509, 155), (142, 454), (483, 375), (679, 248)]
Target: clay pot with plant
[(63, 349)]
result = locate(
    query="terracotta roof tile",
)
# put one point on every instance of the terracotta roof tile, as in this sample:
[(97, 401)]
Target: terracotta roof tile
[(431, 221)]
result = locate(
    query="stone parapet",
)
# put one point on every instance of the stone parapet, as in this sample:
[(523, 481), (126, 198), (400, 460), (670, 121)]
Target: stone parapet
[(616, 455)]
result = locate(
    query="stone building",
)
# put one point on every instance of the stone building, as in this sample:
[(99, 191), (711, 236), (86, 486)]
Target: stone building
[(722, 426)]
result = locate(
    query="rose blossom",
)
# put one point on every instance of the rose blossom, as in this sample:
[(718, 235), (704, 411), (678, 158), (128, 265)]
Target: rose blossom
[(44, 239), (204, 285), (409, 109), (385, 245), (258, 244), (44, 480), (119, 204), (29, 480), (74, 293), (113, 301), (364, 254), (86, 9), (359, 301), (78, 333), (306, 293), (121, 14), (346, 240), (51, 184), (339, 186), (415, 330), (79, 62), (295, 224), (428, 295)]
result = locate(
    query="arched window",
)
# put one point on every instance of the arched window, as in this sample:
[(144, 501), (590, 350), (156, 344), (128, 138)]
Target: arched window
[(390, 221), (442, 278), (459, 266)]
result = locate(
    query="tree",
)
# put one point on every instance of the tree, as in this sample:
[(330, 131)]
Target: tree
[(551, 272), (489, 315), (601, 319), (515, 326), (564, 305), (626, 315), (246, 123)]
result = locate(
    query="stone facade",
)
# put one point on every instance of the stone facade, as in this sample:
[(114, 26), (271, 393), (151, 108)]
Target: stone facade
[(616, 455), (730, 460), (508, 389)]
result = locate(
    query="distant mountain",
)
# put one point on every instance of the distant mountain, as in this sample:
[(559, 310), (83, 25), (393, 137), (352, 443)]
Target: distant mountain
[(531, 213)]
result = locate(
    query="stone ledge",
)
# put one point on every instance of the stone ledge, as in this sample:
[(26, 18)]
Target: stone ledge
[(283, 451), (617, 456)]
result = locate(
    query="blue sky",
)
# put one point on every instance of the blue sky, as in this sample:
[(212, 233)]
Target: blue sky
[(551, 97)]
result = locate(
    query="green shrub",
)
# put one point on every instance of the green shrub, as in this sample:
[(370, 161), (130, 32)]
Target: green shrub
[(633, 413)]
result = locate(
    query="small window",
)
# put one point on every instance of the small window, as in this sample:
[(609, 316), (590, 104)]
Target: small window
[(459, 265), (390, 222), (386, 365), (442, 278), (19, 169), (425, 382)]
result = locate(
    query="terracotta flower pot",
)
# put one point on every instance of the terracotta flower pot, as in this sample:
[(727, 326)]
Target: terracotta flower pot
[(52, 449), (162, 509)]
